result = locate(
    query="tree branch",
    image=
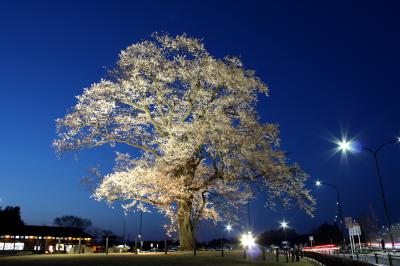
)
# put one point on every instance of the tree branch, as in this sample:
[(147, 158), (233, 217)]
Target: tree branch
[(188, 112), (142, 147), (146, 110), (146, 200)]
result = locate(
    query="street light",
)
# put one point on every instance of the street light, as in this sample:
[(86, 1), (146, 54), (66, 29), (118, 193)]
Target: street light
[(228, 228), (125, 229), (344, 146), (139, 236), (140, 231), (247, 240), (284, 225), (318, 183)]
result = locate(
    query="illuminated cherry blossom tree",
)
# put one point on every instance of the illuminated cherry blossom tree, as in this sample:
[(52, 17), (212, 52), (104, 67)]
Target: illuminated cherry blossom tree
[(199, 149)]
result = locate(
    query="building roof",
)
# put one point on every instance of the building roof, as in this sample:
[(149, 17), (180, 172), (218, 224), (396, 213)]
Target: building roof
[(33, 230)]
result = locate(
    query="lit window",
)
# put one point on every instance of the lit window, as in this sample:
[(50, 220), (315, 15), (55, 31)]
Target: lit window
[(8, 246), (19, 246), (13, 246)]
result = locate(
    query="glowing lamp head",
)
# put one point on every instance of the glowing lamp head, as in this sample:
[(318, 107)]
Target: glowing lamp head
[(344, 145), (247, 240), (284, 224), (228, 227), (318, 183)]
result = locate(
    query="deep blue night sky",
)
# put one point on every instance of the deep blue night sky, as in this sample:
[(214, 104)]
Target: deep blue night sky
[(332, 67)]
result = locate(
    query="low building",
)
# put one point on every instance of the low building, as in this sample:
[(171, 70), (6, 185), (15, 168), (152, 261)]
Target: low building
[(45, 239)]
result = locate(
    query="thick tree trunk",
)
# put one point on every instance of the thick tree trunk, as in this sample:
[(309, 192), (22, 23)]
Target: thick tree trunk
[(186, 232)]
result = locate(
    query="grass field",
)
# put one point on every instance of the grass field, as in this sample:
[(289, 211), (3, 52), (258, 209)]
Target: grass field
[(208, 258)]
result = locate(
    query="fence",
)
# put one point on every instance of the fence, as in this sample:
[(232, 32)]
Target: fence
[(356, 259), (376, 258)]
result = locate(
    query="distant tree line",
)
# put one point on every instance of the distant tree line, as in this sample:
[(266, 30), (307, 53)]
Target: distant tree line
[(10, 217), (324, 234), (86, 225), (72, 221)]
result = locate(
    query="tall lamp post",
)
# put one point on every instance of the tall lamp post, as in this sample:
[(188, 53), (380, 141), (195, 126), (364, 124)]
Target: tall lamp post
[(345, 146), (140, 231), (125, 229), (139, 236), (248, 216), (339, 205), (284, 225), (247, 241), (228, 228)]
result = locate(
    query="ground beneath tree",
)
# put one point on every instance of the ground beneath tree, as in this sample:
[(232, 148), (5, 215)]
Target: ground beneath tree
[(209, 258)]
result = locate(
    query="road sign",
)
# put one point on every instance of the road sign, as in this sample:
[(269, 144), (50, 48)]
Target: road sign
[(311, 238), (355, 230), (348, 221)]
